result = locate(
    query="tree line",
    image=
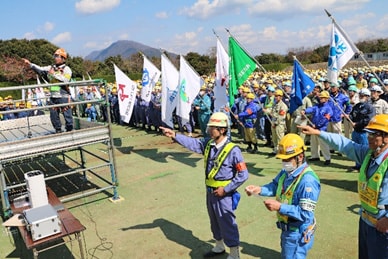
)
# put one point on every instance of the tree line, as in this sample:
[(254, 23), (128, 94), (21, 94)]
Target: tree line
[(40, 51)]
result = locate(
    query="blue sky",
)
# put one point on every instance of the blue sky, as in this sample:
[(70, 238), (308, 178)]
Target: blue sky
[(182, 26)]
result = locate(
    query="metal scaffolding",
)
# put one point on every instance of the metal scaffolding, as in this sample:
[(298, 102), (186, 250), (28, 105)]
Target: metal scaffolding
[(31, 143)]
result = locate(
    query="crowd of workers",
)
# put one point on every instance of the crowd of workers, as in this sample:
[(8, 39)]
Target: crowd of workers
[(349, 116)]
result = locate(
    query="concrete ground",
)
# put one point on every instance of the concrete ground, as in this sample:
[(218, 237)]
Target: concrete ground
[(162, 213)]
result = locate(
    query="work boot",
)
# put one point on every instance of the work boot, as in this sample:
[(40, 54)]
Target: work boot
[(234, 253), (255, 150), (249, 148), (218, 249)]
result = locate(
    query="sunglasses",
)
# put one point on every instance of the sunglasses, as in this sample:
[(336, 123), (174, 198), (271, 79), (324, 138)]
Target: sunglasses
[(57, 56)]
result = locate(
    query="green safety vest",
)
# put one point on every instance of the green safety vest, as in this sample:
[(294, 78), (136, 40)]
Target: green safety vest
[(369, 189), (287, 195), (210, 181)]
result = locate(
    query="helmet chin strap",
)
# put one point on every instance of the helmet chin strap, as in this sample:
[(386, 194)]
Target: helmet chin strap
[(378, 149)]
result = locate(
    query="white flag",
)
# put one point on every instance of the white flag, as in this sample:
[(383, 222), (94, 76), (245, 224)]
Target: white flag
[(151, 75), (170, 84), (126, 91), (189, 84), (341, 51), (222, 78)]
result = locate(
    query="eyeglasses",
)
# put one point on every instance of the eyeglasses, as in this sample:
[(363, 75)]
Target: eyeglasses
[(57, 56), (375, 134)]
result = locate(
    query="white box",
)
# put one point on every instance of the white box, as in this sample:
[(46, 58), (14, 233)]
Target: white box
[(36, 188), (42, 222)]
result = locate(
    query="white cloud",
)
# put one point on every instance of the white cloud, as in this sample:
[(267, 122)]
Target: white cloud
[(95, 6), (49, 26), (280, 9), (124, 36), (93, 45), (204, 9), (62, 38), (29, 35), (161, 15), (382, 24)]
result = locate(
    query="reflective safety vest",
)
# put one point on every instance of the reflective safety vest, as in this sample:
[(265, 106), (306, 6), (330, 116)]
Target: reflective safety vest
[(59, 70), (210, 181), (285, 196), (369, 189)]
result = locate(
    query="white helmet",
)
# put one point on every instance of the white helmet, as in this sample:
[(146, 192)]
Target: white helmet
[(364, 91), (218, 119)]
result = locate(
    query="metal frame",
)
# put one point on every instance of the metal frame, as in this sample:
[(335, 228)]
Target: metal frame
[(32, 141)]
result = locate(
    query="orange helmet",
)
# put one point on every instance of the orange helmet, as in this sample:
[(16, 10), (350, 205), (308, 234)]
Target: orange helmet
[(61, 52), (379, 122)]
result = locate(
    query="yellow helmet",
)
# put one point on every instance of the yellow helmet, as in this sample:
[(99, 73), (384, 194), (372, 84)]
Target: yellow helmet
[(379, 122), (290, 145), (102, 91), (246, 90), (250, 96), (278, 92), (324, 94), (61, 52), (218, 119)]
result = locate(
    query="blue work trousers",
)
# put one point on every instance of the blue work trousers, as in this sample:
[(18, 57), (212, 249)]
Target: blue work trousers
[(222, 219), (293, 245), (372, 244), (67, 114)]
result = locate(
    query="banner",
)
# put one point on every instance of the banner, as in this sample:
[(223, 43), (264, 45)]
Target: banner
[(189, 85), (151, 75), (222, 78), (241, 66), (170, 87), (341, 51), (126, 91), (302, 85)]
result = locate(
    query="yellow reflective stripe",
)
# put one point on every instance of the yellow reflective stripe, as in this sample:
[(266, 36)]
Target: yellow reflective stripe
[(210, 181), (369, 189), (288, 194)]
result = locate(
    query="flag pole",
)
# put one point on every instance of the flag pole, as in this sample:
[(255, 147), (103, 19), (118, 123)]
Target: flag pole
[(360, 53), (252, 57)]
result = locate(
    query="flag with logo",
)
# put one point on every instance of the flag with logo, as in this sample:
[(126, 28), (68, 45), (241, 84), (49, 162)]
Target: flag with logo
[(302, 85), (126, 92), (241, 66), (222, 77), (342, 49), (189, 85), (170, 88), (150, 76)]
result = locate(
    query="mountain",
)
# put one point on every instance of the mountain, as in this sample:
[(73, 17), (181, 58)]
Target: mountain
[(125, 49)]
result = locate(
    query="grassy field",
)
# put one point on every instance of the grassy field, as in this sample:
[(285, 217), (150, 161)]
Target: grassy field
[(162, 213)]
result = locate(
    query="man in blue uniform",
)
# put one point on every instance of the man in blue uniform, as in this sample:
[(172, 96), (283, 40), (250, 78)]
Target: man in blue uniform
[(322, 113), (225, 171), (372, 183), (297, 190), (248, 118), (341, 107)]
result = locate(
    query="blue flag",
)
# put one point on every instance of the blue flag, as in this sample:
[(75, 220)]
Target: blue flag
[(302, 85)]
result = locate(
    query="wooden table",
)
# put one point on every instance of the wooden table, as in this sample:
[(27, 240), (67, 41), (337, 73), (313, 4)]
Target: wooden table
[(71, 229)]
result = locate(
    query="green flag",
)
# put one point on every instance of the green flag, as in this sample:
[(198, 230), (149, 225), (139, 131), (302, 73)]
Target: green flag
[(241, 66)]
